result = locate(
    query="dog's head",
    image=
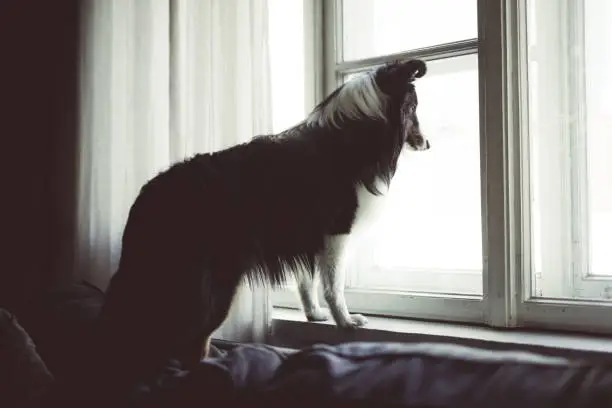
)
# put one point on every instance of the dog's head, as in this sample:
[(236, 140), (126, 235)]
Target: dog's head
[(384, 94), (396, 81)]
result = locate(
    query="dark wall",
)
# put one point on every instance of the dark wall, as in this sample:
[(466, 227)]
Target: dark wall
[(38, 128)]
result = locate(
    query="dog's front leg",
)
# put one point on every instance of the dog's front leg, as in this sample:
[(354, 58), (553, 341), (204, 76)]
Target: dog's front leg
[(333, 278), (307, 286)]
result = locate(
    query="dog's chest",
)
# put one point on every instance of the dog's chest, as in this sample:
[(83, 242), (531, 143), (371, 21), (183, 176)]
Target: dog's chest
[(369, 206)]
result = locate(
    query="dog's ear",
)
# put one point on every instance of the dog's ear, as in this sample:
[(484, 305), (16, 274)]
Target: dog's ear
[(413, 69), (394, 77), (406, 70)]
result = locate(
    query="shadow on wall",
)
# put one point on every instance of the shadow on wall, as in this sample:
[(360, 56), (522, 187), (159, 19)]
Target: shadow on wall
[(38, 128)]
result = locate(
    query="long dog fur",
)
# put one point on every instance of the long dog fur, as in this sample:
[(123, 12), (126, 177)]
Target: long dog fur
[(259, 210)]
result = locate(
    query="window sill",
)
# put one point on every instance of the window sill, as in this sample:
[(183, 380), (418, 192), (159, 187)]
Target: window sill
[(291, 330)]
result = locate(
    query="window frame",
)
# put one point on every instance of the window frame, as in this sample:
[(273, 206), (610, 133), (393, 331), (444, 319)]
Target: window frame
[(324, 55), (505, 178), (546, 312), (571, 276), (585, 284)]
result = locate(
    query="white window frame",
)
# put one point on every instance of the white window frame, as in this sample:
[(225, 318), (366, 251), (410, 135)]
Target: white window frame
[(568, 273), (539, 302), (507, 281)]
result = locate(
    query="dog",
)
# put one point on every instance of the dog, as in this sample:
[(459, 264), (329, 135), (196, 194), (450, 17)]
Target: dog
[(260, 211)]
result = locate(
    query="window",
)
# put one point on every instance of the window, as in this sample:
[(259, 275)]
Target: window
[(515, 196), (569, 152), (571, 170), (431, 209)]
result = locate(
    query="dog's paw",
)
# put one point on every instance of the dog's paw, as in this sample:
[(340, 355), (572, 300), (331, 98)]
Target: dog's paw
[(317, 315), (355, 321)]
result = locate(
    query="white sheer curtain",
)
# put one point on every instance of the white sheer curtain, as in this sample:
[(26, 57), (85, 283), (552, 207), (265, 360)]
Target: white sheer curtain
[(161, 80)]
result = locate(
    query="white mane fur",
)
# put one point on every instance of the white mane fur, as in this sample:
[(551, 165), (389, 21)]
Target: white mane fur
[(357, 98)]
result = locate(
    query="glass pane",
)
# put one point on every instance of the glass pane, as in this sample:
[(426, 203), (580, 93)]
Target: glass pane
[(598, 69), (373, 28), (570, 128), (429, 237), (287, 53)]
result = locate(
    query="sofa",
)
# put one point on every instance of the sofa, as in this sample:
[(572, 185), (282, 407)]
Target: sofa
[(38, 358)]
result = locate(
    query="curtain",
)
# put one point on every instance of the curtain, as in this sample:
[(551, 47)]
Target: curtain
[(161, 80)]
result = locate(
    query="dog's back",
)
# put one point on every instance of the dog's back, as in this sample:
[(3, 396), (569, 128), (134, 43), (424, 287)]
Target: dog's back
[(243, 203)]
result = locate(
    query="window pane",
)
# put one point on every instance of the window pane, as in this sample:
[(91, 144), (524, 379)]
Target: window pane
[(429, 236), (570, 128), (598, 53), (287, 53), (373, 28)]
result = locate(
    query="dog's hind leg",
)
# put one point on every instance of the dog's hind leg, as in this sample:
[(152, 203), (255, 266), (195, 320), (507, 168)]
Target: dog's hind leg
[(220, 296), (308, 282), (333, 278), (213, 295)]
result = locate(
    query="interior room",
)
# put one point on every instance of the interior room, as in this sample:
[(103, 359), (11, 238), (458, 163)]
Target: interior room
[(372, 203)]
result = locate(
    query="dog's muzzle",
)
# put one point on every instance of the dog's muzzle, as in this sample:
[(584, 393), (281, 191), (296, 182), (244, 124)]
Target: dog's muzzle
[(423, 146)]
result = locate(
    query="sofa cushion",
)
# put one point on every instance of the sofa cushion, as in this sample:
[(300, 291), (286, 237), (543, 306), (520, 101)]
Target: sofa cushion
[(61, 323), (24, 377), (413, 375)]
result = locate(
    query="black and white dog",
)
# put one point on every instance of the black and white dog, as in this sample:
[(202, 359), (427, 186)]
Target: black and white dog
[(258, 210)]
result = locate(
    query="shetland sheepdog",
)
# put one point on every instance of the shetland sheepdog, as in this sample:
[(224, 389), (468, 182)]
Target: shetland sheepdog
[(261, 211)]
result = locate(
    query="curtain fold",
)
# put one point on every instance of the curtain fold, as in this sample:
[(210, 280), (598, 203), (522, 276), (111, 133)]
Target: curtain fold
[(162, 80)]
